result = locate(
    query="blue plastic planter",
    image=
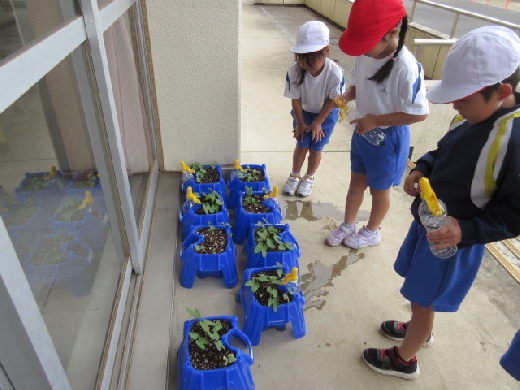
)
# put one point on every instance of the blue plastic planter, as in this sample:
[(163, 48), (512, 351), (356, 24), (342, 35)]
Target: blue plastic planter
[(74, 187), (55, 186), (236, 376), (236, 186), (258, 318), (71, 269), (243, 220), (188, 217), (205, 188), (24, 235), (91, 229), (220, 265), (289, 257)]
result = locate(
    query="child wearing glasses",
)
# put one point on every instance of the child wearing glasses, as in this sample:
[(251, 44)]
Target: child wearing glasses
[(311, 83)]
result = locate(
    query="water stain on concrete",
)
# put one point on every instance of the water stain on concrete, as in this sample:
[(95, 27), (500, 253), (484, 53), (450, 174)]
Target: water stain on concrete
[(320, 276), (294, 209)]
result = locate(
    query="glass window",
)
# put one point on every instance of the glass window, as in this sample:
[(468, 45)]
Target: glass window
[(25, 21), (52, 203), (128, 83)]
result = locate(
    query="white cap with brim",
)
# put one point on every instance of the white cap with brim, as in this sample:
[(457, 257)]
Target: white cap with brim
[(480, 58), (311, 37)]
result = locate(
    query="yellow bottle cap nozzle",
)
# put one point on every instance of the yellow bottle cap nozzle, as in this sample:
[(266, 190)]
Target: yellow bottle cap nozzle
[(429, 197), (272, 194), (88, 200), (236, 165), (186, 168), (191, 196), (290, 277), (52, 173), (342, 109)]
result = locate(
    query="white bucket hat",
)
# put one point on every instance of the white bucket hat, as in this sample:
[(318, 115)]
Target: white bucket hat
[(312, 37), (480, 58)]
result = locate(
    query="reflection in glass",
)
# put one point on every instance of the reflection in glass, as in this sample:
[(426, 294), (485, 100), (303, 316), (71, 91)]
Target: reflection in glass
[(128, 87), (24, 21), (52, 204)]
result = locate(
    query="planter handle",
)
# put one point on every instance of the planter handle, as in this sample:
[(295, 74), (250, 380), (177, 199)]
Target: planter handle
[(241, 335)]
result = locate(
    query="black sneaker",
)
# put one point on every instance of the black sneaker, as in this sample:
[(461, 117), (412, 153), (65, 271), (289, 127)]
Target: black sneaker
[(396, 330), (388, 362)]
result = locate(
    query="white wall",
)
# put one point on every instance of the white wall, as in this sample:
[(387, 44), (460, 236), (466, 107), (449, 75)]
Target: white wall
[(195, 51)]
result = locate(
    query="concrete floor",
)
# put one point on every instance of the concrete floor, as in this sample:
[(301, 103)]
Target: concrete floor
[(348, 292)]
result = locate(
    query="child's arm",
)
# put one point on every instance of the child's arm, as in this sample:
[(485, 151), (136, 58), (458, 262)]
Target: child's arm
[(315, 127), (350, 94), (370, 121), (301, 127)]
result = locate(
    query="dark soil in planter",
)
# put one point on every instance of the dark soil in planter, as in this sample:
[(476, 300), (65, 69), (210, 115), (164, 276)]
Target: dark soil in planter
[(252, 175), (36, 183), (50, 251), (262, 295), (215, 241), (86, 179), (18, 214), (211, 176), (255, 207), (209, 358)]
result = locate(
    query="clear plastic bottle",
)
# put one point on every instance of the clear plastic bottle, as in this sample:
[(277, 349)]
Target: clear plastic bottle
[(376, 136), (432, 222)]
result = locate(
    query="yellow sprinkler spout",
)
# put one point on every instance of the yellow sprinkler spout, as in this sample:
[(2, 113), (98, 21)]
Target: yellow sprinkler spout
[(88, 200), (52, 173), (191, 196), (290, 277), (186, 168), (272, 194), (429, 197), (342, 110), (236, 165)]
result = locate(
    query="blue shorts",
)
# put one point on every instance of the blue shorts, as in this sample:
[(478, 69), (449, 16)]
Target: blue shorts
[(384, 165), (429, 280), (510, 361), (327, 126)]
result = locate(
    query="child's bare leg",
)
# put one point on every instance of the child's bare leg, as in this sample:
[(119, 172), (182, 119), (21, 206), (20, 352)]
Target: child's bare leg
[(380, 206), (355, 194), (419, 329), (313, 162), (298, 158)]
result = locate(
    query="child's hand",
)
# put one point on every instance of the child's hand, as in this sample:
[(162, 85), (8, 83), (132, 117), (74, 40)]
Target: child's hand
[(446, 236), (411, 183), (299, 132), (364, 124), (317, 132), (340, 101)]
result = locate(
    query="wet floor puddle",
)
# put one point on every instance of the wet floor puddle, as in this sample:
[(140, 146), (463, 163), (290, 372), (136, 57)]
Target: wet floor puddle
[(319, 275)]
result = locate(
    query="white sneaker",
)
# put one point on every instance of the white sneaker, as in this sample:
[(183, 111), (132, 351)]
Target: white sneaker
[(305, 187), (363, 238), (335, 237), (291, 185)]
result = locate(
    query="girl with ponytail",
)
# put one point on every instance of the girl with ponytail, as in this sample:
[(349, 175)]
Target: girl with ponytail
[(387, 84)]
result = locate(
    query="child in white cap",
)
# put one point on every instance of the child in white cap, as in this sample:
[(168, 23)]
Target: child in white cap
[(311, 83), (475, 170)]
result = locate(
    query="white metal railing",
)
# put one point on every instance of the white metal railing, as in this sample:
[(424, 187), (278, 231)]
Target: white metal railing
[(458, 12)]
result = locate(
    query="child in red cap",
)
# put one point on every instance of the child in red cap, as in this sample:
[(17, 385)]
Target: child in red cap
[(313, 80), (388, 86)]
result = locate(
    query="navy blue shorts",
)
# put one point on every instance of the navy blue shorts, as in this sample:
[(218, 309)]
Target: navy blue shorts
[(327, 126), (384, 165), (430, 281)]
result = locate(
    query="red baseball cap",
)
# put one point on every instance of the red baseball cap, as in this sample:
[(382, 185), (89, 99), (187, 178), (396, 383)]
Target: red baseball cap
[(367, 24)]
